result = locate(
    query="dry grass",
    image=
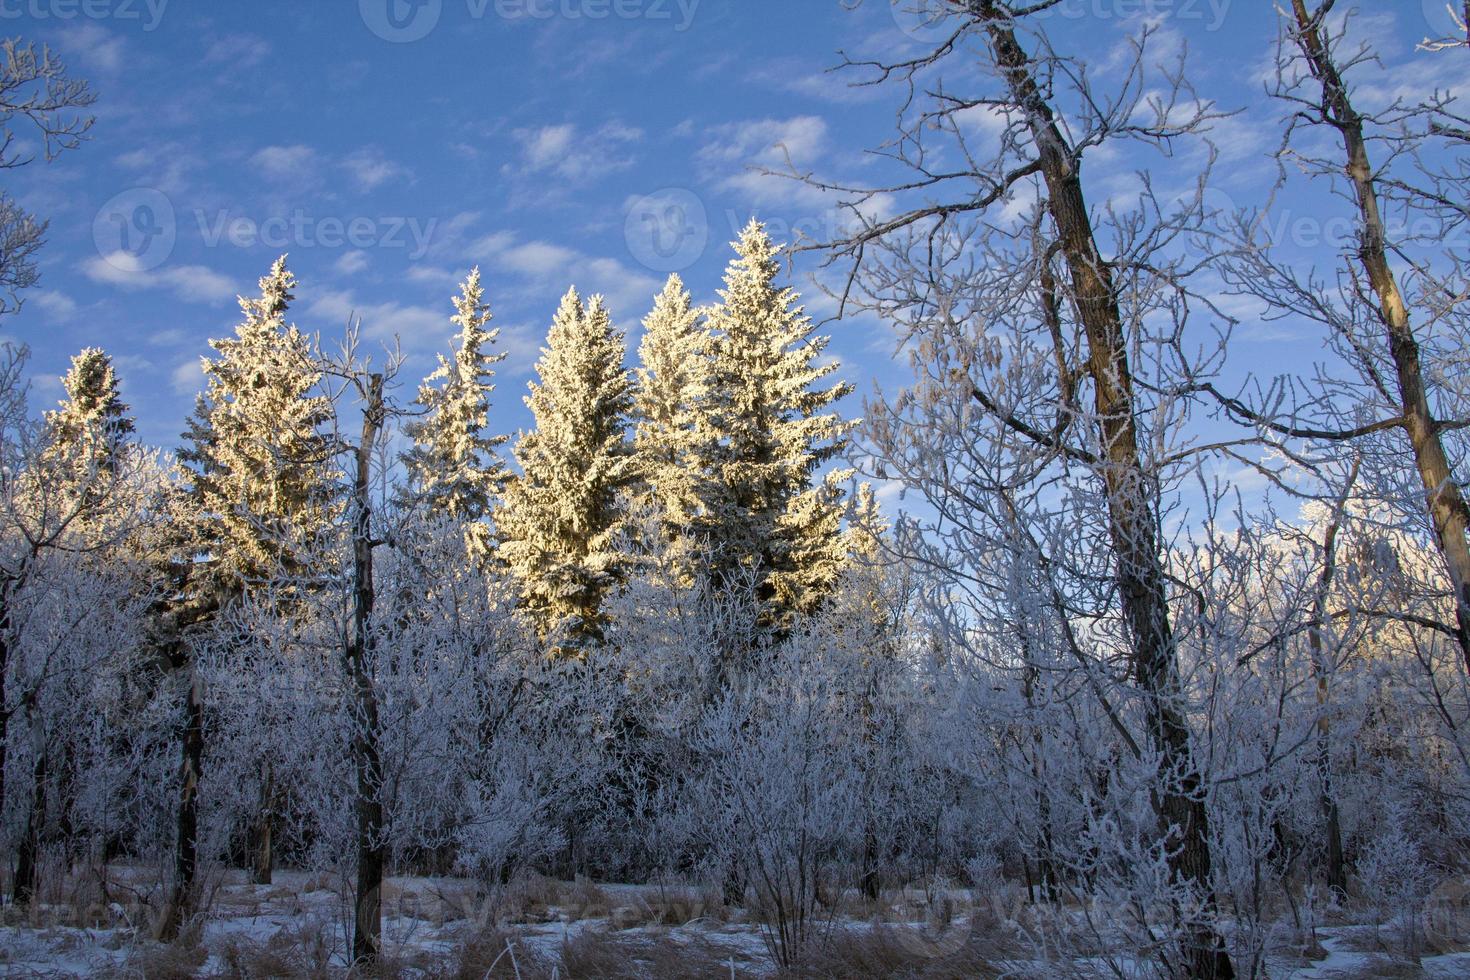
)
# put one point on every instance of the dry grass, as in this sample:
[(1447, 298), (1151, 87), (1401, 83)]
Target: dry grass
[(179, 960), (606, 956), (897, 952), (84, 896), (583, 900), (595, 955), (672, 905), (304, 952), (496, 955)]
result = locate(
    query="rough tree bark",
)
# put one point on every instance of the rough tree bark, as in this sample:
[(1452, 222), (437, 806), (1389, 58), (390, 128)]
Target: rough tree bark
[(179, 659), (263, 858), (1132, 524), (1331, 819), (367, 760), (28, 850)]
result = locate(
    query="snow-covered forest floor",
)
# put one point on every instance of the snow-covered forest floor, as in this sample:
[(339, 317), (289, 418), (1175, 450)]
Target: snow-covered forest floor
[(299, 926)]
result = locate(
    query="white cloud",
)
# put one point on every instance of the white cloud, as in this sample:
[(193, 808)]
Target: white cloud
[(370, 168), (57, 306), (187, 378), (351, 263), (554, 267), (537, 260), (192, 283), (546, 146), (102, 50), (418, 328), (238, 51), (738, 153), (166, 167), (521, 344), (767, 141), (575, 155), (795, 76), (433, 274), (292, 164)]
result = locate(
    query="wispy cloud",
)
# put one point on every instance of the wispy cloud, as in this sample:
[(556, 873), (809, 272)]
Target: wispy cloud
[(296, 164), (57, 306), (192, 283), (97, 47), (370, 169), (738, 156), (568, 152), (238, 50)]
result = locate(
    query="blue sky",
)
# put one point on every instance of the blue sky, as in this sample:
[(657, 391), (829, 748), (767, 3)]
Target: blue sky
[(552, 142)]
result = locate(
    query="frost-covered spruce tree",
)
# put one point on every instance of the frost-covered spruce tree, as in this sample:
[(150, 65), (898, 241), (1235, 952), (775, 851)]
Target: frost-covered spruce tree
[(454, 468), (765, 433), (559, 518), (672, 388), (93, 418), (262, 473), (88, 435)]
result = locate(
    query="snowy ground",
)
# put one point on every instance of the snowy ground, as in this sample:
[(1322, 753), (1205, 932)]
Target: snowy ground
[(436, 927)]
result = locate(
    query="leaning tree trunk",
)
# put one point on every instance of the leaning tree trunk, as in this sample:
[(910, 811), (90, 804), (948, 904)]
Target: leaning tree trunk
[(367, 936), (1446, 505), (1132, 523)]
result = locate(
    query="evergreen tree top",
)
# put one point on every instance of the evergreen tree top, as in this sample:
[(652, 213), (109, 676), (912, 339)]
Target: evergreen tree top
[(92, 393)]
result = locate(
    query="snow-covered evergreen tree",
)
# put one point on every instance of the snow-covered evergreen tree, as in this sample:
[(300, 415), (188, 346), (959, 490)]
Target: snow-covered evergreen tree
[(766, 432), (93, 419), (454, 468), (262, 472), (672, 390), (87, 438), (559, 518)]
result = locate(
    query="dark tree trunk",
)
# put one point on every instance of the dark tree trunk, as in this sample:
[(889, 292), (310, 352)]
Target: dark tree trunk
[(5, 590), (27, 859), (263, 858), (1322, 669), (367, 935), (186, 840), (1132, 522)]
